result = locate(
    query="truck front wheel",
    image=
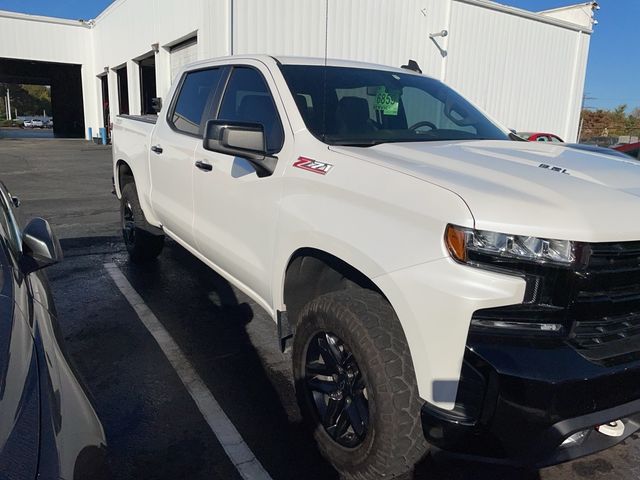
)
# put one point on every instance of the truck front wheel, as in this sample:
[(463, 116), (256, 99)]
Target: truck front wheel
[(141, 244), (356, 385)]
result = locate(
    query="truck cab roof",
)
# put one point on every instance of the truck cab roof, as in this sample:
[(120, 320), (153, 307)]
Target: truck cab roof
[(299, 60)]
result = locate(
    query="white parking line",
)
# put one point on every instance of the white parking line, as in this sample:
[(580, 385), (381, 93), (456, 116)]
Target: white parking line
[(237, 450)]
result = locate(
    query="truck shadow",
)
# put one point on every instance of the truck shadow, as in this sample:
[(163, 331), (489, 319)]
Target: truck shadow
[(229, 340), (436, 467), (232, 344)]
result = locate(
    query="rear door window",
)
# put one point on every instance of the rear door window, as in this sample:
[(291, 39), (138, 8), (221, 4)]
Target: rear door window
[(196, 91)]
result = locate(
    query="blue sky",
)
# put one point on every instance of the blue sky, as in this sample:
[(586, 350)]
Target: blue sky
[(613, 74), (74, 9)]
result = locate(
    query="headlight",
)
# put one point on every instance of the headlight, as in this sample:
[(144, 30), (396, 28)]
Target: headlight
[(468, 246)]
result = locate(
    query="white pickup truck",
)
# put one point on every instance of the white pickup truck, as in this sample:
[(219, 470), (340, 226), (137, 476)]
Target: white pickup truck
[(444, 284)]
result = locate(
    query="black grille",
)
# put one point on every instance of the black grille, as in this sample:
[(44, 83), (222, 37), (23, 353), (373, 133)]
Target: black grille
[(597, 303), (606, 306)]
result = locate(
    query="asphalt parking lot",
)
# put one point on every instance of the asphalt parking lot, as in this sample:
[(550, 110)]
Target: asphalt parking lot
[(154, 427)]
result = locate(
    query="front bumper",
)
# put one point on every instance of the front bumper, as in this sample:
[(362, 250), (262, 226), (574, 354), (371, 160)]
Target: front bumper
[(519, 400)]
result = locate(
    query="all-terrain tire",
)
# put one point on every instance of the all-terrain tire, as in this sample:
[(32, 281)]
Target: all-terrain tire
[(141, 244), (370, 329)]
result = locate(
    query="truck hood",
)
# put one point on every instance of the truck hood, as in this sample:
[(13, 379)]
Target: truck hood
[(526, 188)]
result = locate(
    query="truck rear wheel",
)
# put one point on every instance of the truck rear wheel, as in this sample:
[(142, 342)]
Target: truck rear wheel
[(356, 385), (141, 244)]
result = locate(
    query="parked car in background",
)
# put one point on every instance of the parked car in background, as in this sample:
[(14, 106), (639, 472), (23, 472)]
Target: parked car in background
[(27, 123), (540, 137), (37, 123), (631, 149), (48, 428)]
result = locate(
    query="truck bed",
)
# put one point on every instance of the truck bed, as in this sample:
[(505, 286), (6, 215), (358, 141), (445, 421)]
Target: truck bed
[(148, 118)]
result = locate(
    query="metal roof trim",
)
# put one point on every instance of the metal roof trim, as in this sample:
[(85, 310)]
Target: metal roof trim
[(527, 14), (44, 19)]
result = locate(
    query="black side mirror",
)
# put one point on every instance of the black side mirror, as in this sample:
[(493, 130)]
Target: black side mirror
[(240, 139), (40, 246), (156, 104)]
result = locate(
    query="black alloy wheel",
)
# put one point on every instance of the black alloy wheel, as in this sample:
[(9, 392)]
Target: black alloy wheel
[(141, 244), (128, 224), (337, 389)]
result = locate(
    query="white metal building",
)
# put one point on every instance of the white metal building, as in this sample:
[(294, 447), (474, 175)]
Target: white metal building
[(526, 69)]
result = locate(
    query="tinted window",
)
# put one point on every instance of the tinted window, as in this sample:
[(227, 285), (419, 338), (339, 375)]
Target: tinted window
[(247, 99), (192, 100), (420, 105), (357, 106)]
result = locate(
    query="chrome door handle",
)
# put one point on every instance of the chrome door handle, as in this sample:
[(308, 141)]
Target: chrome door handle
[(156, 149)]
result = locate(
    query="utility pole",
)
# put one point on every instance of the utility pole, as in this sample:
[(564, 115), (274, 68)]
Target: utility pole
[(8, 105), (580, 129)]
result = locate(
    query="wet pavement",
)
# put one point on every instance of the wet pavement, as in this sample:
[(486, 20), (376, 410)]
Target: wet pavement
[(26, 133), (153, 425)]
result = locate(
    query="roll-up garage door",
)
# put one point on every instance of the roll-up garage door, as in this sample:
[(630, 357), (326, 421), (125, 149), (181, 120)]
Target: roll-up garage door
[(183, 53)]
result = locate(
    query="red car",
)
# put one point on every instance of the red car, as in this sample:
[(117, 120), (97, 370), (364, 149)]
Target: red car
[(631, 149), (540, 137)]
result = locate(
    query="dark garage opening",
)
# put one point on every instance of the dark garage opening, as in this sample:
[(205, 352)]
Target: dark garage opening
[(104, 89), (123, 91), (147, 84), (66, 90)]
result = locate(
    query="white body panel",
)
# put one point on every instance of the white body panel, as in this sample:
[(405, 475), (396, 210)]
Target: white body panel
[(171, 174), (383, 210)]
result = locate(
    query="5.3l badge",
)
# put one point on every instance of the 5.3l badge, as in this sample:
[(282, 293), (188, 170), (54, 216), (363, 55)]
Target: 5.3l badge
[(554, 169), (313, 165)]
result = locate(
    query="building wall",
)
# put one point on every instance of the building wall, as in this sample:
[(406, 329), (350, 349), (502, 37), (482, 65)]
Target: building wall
[(126, 31), (527, 74), (524, 69), (39, 38)]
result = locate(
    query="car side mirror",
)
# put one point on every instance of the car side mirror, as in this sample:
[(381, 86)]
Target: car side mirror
[(240, 139), (40, 246), (156, 104)]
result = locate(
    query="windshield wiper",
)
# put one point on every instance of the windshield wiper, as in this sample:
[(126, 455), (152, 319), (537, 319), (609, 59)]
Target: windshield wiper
[(516, 138), (368, 143)]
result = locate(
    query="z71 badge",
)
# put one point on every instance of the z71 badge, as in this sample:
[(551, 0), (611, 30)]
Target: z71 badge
[(313, 165)]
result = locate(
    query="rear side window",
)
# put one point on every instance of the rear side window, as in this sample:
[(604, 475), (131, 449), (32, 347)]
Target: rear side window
[(248, 99), (195, 92)]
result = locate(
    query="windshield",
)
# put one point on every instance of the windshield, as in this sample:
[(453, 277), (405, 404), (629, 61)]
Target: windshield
[(367, 107)]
